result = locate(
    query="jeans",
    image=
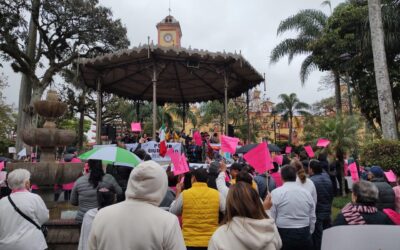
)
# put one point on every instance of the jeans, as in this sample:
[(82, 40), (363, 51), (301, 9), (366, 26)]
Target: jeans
[(296, 238), (320, 226)]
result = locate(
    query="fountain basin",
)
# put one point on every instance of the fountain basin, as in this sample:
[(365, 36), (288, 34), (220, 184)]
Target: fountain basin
[(50, 173), (50, 109), (48, 137)]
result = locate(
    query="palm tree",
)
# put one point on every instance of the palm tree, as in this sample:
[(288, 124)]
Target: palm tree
[(309, 24), (183, 112), (289, 106), (212, 110), (342, 132), (385, 97)]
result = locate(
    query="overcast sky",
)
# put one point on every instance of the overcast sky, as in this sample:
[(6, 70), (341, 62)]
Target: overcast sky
[(217, 25)]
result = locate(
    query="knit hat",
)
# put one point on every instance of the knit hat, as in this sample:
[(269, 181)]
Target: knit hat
[(377, 171), (147, 182)]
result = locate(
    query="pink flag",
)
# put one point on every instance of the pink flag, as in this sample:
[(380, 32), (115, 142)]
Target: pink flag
[(309, 151), (197, 138), (323, 142), (185, 166), (229, 144), (1, 165), (278, 159), (354, 172), (288, 150), (180, 163), (260, 158), (135, 127), (390, 176)]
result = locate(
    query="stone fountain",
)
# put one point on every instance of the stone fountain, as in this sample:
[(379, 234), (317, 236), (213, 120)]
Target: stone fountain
[(48, 172)]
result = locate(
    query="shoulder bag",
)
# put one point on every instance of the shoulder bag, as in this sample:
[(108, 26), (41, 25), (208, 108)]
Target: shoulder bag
[(42, 228)]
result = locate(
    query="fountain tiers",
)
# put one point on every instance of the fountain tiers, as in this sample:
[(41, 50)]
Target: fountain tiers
[(63, 234)]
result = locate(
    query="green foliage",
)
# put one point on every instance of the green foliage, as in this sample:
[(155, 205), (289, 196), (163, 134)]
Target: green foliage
[(383, 153), (64, 27), (72, 124), (288, 107), (309, 25), (7, 119), (345, 46), (212, 111), (342, 131)]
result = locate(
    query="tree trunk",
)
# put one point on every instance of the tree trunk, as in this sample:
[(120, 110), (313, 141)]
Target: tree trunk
[(340, 157), (81, 119), (385, 99), (25, 91), (338, 94), (290, 129)]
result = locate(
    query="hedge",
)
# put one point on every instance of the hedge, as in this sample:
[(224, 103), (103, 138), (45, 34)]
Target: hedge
[(383, 153)]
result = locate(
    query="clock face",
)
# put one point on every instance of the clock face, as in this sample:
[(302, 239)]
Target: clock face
[(168, 37)]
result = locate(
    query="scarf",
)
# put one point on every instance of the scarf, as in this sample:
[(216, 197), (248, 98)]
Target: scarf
[(352, 213)]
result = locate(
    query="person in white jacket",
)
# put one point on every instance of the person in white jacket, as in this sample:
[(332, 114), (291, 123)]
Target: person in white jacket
[(16, 232), (105, 197), (246, 224), (138, 222)]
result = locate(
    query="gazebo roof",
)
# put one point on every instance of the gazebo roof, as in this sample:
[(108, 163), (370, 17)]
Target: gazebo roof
[(183, 75)]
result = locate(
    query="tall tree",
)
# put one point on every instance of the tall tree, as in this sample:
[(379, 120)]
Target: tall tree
[(65, 29), (310, 26), (388, 120), (288, 107)]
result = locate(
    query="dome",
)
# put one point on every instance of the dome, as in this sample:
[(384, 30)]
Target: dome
[(169, 19)]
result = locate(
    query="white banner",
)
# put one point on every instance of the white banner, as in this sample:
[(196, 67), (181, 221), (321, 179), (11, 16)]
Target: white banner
[(153, 149)]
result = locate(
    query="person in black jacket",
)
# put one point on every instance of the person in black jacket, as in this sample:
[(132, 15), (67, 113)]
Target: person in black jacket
[(323, 185), (362, 209), (386, 193)]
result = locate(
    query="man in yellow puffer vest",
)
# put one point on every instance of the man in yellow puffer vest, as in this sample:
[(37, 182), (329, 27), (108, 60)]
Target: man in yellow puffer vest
[(199, 207)]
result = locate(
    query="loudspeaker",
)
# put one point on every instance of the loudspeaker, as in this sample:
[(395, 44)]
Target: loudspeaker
[(112, 133), (104, 130), (231, 130)]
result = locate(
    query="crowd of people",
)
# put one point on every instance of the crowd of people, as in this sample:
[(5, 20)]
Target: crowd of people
[(220, 206)]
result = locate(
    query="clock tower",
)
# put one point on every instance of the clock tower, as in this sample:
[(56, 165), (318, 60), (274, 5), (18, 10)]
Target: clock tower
[(169, 32)]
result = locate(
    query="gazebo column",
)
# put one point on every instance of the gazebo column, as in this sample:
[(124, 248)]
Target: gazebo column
[(98, 111), (248, 117), (154, 80), (226, 102), (184, 117)]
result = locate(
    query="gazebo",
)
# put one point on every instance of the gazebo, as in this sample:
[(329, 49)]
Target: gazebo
[(169, 75)]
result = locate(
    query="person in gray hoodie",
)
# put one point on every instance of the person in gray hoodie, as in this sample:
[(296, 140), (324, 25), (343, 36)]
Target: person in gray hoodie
[(246, 224), (138, 222)]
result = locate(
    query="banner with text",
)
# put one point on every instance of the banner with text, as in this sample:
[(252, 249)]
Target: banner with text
[(153, 149)]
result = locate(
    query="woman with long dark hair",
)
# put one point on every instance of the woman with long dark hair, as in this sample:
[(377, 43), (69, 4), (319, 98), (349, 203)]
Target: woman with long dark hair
[(246, 224), (85, 188), (302, 178)]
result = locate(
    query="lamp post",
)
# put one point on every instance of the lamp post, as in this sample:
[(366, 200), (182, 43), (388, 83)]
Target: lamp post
[(273, 112)]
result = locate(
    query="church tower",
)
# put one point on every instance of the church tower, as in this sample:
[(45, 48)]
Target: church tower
[(169, 32)]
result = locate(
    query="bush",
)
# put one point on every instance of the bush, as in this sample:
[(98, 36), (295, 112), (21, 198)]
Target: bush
[(383, 153)]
